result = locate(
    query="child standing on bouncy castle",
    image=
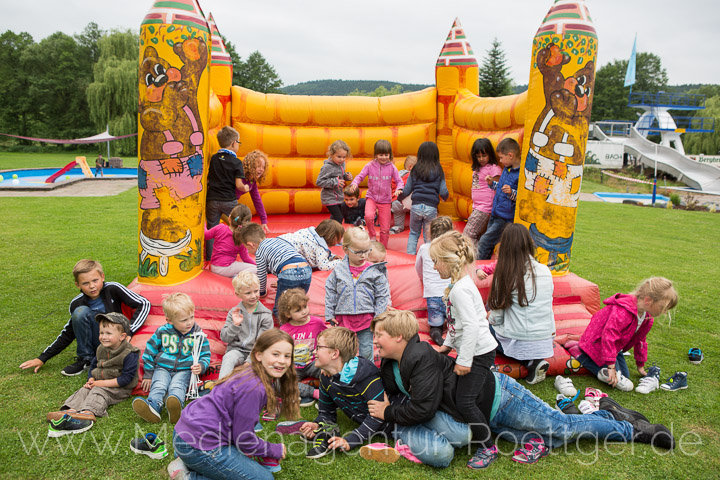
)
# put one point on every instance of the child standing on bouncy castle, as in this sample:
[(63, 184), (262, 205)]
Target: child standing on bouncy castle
[(255, 164), (380, 172), (332, 178)]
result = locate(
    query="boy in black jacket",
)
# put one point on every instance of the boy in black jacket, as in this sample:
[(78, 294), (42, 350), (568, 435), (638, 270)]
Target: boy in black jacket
[(97, 296), (352, 382)]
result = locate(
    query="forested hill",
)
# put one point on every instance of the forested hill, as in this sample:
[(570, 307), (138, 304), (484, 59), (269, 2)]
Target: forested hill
[(344, 87)]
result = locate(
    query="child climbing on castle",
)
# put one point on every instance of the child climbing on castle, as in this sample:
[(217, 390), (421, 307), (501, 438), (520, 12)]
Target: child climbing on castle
[(223, 259), (469, 334), (484, 164), (380, 172), (332, 179), (255, 165)]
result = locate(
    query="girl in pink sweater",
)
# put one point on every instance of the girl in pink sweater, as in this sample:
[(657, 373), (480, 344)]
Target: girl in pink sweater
[(484, 164), (223, 260), (621, 325), (380, 172)]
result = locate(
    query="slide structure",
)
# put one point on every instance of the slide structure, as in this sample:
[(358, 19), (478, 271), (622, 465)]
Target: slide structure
[(699, 176), (62, 171)]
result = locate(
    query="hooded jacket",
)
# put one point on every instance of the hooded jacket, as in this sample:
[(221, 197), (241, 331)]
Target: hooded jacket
[(350, 391), (253, 325), (313, 248), (172, 351), (614, 329), (329, 180), (380, 179), (369, 294)]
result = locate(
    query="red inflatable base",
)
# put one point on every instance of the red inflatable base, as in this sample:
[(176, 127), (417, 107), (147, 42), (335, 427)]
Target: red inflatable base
[(575, 300)]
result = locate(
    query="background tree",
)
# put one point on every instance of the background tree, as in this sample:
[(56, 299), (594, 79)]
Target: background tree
[(611, 97), (494, 73), (257, 74), (113, 94), (380, 91), (89, 39), (707, 143), (16, 112)]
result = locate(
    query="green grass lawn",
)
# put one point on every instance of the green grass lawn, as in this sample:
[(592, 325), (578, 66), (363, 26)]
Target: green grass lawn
[(20, 160), (615, 246)]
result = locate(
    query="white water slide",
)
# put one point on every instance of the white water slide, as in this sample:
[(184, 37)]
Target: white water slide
[(699, 176)]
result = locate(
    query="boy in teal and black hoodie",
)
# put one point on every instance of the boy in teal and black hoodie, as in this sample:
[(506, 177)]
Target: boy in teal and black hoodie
[(168, 360)]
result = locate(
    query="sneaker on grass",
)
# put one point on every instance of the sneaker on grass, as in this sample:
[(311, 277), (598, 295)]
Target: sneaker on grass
[(695, 355), (271, 464), (67, 426), (537, 371), (76, 368), (290, 427), (650, 382), (565, 386), (483, 458), (321, 442), (676, 382), (149, 445), (566, 405), (379, 452), (623, 383), (145, 411)]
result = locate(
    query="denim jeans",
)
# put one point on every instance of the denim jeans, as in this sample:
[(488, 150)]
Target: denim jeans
[(232, 359), (436, 311), (434, 442), (420, 217), (166, 383), (213, 210), (521, 416), (491, 237), (87, 332), (292, 278), (223, 462), (308, 371), (365, 340), (594, 368)]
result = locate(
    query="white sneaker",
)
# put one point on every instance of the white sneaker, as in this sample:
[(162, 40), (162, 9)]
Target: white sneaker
[(624, 384), (177, 470), (587, 406), (565, 386), (647, 385)]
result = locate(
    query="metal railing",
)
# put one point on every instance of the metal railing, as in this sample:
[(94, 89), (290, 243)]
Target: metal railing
[(686, 101), (614, 128), (688, 124)]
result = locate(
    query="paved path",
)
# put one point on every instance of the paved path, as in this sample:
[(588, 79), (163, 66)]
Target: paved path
[(84, 188)]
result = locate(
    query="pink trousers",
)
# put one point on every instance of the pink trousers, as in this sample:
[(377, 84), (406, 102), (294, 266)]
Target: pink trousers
[(384, 217)]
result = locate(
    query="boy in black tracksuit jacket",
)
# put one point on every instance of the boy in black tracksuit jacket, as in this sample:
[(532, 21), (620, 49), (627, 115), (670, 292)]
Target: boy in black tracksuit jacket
[(97, 296)]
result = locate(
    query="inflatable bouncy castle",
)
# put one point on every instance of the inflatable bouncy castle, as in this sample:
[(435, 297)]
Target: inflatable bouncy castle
[(186, 96)]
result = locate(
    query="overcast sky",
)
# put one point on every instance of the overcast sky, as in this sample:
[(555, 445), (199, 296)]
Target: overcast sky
[(400, 40)]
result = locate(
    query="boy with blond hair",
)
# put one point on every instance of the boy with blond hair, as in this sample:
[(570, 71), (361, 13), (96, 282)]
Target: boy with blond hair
[(378, 253), (168, 361), (96, 296), (113, 375), (349, 383), (244, 323)]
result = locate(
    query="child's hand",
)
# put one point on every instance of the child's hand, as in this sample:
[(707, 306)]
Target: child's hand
[(35, 363), (196, 369), (642, 372), (612, 377), (460, 370), (398, 192), (489, 180), (444, 349), (338, 442), (308, 429), (90, 383), (376, 408), (145, 384), (353, 187), (246, 187), (237, 317), (265, 228), (284, 452), (506, 189), (348, 176), (332, 322), (480, 274), (341, 182)]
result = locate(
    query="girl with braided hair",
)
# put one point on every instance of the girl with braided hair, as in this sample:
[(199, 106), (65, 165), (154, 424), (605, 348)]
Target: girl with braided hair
[(520, 301), (469, 333)]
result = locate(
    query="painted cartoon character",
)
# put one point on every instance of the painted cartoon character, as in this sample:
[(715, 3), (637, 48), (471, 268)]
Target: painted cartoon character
[(171, 157), (554, 162)]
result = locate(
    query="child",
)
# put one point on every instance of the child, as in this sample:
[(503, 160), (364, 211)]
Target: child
[(353, 207), (99, 164), (521, 299), (380, 173), (433, 285), (621, 325), (279, 257), (244, 323), (225, 174), (111, 379), (348, 384), (295, 319), (255, 164), (168, 361), (484, 164), (96, 296), (469, 333), (332, 178), (426, 184), (314, 244), (215, 436), (357, 290), (503, 206), (378, 252), (401, 207), (225, 251)]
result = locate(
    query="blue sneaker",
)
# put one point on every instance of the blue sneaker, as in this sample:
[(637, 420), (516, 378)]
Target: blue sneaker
[(676, 382), (695, 356), (566, 405), (483, 458)]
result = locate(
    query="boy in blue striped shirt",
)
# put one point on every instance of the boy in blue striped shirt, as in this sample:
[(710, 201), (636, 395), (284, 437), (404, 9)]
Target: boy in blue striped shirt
[(276, 256)]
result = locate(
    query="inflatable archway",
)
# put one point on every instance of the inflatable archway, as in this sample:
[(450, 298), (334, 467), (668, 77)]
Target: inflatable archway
[(186, 97)]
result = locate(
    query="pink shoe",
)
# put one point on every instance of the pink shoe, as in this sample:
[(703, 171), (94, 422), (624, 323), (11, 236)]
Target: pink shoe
[(404, 450), (272, 464), (533, 451), (593, 395), (379, 452)]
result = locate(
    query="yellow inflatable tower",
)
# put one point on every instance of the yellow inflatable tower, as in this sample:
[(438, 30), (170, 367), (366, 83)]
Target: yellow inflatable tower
[(456, 68), (173, 113), (560, 93)]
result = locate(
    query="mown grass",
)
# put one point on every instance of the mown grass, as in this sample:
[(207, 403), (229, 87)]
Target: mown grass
[(21, 160), (615, 246)]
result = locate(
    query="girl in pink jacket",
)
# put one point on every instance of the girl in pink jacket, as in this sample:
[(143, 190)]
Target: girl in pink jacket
[(380, 172), (621, 325), (224, 257)]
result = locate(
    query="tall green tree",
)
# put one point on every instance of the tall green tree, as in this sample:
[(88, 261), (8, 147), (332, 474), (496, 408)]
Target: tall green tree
[(494, 73), (707, 143), (89, 39), (257, 74), (113, 94), (611, 97), (16, 112)]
